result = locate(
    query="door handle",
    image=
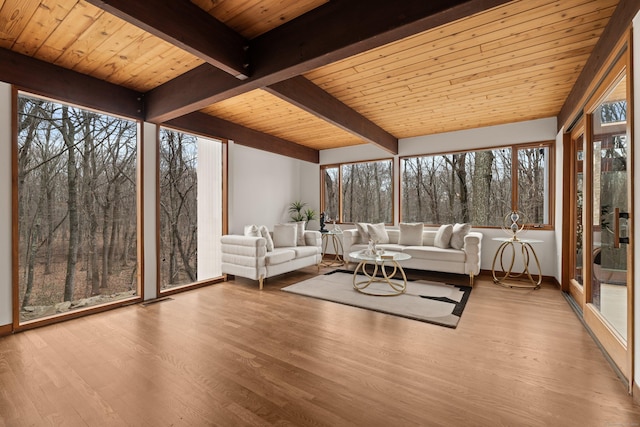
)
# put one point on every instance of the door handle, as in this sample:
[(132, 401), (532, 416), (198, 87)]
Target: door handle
[(616, 227)]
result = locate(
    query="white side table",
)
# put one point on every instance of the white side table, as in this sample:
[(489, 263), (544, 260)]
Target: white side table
[(526, 252)]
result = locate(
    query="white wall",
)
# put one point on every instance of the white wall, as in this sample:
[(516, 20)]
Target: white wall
[(149, 156), (5, 205), (262, 185), (492, 136)]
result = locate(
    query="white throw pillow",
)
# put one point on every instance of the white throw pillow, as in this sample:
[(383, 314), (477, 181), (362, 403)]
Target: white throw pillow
[(251, 230), (457, 236), (264, 232), (378, 233), (285, 235), (443, 236), (300, 233), (363, 231), (411, 234)]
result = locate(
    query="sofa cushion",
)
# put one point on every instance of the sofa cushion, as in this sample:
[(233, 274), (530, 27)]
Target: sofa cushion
[(300, 226), (363, 232), (280, 255), (436, 254), (285, 235), (411, 234), (264, 232), (305, 251), (443, 236), (378, 233), (457, 235)]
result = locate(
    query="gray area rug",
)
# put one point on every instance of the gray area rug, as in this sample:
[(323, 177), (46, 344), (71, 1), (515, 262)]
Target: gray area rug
[(438, 303)]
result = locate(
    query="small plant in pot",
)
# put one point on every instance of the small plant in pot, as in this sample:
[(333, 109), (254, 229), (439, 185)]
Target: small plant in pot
[(295, 211)]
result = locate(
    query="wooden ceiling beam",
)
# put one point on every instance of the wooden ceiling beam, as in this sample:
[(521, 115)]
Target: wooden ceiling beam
[(185, 25), (304, 94), (204, 124), (61, 84), (329, 33)]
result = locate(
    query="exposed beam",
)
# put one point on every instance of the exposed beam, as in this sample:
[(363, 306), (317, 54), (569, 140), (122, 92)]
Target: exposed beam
[(329, 33), (69, 86), (618, 24), (214, 127), (185, 25), (301, 92)]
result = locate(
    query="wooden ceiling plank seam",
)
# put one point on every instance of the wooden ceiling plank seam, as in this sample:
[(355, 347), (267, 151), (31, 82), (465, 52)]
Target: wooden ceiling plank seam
[(188, 27), (14, 17), (218, 128), (88, 52), (49, 14), (80, 18), (309, 97), (294, 48), (596, 21)]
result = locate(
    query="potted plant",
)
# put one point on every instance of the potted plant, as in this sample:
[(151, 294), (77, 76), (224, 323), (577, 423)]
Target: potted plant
[(295, 211)]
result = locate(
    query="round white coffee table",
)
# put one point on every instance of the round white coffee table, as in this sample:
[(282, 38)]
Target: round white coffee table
[(380, 263)]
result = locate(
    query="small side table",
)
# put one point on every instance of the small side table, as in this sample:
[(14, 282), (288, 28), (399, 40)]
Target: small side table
[(336, 240), (378, 262), (527, 253)]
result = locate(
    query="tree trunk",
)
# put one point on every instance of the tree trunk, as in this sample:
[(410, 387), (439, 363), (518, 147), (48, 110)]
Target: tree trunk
[(482, 178), (72, 205)]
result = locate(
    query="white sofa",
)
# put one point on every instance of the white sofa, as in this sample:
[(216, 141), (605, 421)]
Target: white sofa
[(426, 257), (248, 257)]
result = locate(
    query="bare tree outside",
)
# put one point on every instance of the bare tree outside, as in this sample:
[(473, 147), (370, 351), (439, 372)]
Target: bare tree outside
[(367, 192), (77, 208), (178, 208), (473, 186)]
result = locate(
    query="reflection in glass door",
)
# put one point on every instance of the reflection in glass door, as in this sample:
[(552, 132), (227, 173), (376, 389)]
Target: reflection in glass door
[(577, 237), (610, 209)]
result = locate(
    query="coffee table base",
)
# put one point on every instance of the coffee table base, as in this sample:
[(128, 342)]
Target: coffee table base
[(396, 287)]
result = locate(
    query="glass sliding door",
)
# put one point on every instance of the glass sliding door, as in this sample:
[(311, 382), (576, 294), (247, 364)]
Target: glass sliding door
[(610, 213), (191, 179)]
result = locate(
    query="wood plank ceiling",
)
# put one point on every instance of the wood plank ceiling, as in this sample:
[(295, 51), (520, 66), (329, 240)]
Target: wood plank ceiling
[(314, 73)]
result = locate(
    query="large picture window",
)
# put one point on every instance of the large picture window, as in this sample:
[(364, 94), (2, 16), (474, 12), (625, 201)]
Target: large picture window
[(77, 208), (358, 192), (191, 208), (479, 187)]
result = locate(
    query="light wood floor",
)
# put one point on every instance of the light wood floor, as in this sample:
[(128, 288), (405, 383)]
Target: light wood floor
[(231, 355)]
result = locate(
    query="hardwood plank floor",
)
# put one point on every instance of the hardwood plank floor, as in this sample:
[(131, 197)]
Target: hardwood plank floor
[(231, 355)]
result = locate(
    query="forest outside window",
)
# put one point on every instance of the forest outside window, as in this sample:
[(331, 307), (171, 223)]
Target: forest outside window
[(478, 187), (77, 208), (358, 192)]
